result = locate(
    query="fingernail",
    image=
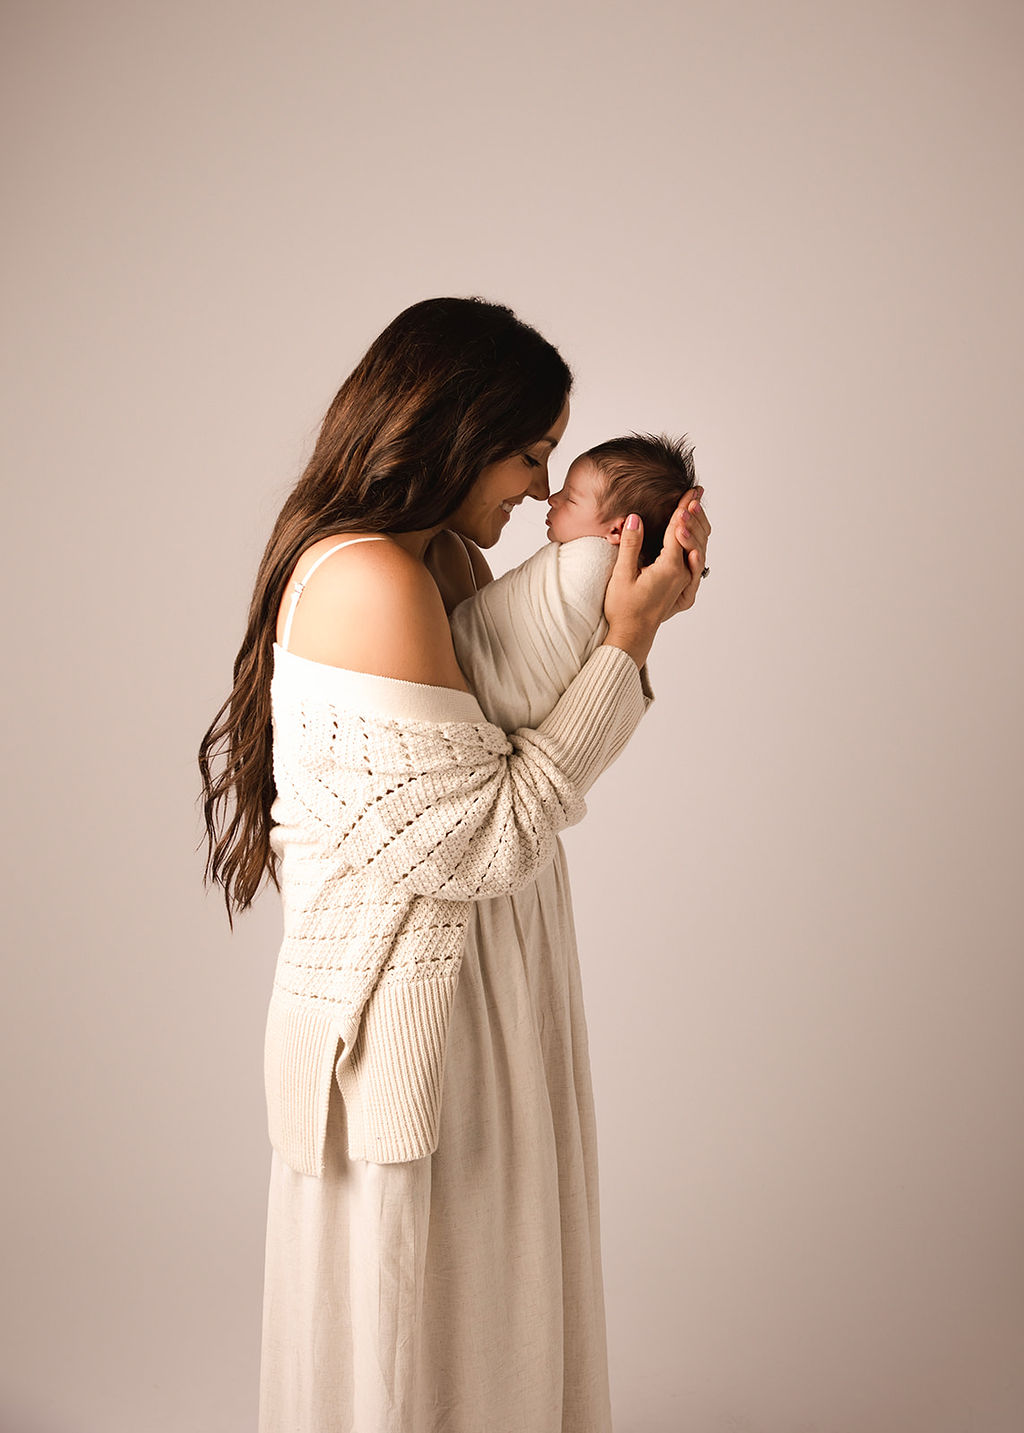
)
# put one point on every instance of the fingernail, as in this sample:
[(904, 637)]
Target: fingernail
[(632, 522)]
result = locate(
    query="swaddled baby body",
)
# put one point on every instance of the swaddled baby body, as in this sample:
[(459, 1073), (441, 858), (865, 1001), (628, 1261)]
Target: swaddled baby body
[(522, 638)]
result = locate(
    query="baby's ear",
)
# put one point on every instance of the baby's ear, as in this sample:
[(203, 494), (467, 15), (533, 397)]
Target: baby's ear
[(614, 533)]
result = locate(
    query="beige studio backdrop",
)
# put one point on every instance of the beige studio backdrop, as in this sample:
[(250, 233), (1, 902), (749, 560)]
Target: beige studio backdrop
[(790, 230)]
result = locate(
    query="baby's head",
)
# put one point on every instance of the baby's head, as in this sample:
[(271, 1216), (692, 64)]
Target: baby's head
[(639, 473)]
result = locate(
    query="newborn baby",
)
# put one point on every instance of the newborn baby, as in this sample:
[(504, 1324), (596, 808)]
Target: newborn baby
[(522, 638)]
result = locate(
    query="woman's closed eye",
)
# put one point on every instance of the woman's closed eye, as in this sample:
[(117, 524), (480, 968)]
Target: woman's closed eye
[(533, 463)]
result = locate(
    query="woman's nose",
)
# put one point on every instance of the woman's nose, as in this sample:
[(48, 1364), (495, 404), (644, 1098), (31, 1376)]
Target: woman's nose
[(539, 487)]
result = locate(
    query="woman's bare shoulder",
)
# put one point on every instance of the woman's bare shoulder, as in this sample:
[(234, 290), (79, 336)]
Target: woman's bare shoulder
[(372, 607)]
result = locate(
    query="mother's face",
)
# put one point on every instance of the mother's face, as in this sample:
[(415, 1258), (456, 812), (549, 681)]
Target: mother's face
[(487, 506)]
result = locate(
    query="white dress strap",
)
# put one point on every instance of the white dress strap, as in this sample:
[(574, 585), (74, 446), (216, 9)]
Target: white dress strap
[(298, 586)]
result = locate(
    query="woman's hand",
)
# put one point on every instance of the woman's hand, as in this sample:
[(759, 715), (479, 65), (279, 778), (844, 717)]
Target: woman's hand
[(637, 600), (690, 525)]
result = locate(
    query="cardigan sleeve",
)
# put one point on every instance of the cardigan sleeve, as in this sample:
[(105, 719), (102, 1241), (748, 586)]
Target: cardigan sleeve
[(481, 820)]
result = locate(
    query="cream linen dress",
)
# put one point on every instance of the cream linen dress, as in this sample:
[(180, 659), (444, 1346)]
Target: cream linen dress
[(462, 1292)]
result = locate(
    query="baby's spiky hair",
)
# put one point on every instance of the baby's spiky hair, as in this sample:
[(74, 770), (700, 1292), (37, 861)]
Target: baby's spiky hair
[(645, 474)]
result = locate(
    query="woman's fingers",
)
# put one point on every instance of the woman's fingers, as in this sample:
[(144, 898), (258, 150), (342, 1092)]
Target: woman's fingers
[(688, 592), (694, 543), (692, 532), (674, 537), (697, 525), (693, 527)]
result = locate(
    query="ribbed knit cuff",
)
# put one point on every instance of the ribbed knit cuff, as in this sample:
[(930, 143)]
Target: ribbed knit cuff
[(392, 1082), (596, 715), (299, 1050)]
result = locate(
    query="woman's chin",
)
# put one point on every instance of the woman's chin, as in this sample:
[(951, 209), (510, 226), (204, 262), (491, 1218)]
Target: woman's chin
[(483, 538), (497, 528)]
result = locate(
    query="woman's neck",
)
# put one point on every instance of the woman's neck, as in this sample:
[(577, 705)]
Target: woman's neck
[(447, 560), (416, 542)]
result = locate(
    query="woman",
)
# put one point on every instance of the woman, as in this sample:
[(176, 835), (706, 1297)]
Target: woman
[(433, 1254)]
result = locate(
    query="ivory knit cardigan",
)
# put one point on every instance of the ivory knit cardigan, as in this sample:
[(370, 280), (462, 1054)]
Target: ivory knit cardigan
[(396, 804)]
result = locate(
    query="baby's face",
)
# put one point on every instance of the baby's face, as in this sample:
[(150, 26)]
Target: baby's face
[(574, 512)]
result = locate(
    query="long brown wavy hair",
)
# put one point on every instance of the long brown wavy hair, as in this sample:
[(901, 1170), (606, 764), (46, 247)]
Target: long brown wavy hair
[(450, 386)]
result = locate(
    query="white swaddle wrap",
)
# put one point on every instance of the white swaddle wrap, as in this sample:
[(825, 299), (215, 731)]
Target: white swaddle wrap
[(521, 639)]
